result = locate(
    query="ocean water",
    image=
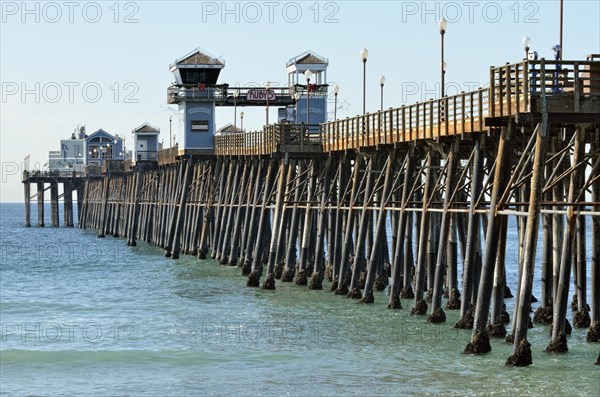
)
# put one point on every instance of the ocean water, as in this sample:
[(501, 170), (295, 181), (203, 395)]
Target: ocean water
[(86, 316)]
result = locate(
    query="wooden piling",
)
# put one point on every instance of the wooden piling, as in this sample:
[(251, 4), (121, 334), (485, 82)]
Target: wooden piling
[(480, 339), (400, 260), (559, 339), (261, 231), (289, 270), (468, 279), (68, 204), (420, 306), (269, 282), (302, 275), (318, 271), (27, 193), (361, 236), (40, 202), (378, 240), (521, 317), (437, 313)]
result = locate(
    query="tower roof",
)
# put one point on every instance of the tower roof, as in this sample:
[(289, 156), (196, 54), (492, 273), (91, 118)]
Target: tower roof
[(146, 127), (308, 58), (199, 57)]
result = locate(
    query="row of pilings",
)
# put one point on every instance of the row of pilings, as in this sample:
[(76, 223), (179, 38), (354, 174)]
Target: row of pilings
[(428, 221)]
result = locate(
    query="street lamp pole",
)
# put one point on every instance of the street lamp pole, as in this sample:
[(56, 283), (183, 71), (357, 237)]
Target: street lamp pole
[(297, 98), (236, 93), (268, 87), (443, 24), (381, 83), (336, 90), (307, 75), (242, 121), (170, 131), (364, 54), (561, 29)]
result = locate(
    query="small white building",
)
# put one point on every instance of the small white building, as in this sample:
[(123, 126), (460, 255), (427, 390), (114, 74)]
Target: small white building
[(145, 142)]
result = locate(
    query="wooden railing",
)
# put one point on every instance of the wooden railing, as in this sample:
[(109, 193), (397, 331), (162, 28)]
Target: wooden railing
[(92, 170), (517, 88), (459, 114), (254, 143), (113, 166), (514, 88), (168, 156), (36, 174)]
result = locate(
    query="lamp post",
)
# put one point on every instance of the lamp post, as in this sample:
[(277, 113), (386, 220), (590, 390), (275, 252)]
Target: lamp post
[(336, 90), (242, 121), (308, 75), (170, 131), (526, 45), (381, 83), (561, 29), (236, 93), (297, 98), (364, 54), (443, 24), (268, 87)]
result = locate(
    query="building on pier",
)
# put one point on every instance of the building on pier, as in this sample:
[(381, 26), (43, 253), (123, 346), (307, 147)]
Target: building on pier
[(82, 149), (312, 99), (195, 91), (145, 143)]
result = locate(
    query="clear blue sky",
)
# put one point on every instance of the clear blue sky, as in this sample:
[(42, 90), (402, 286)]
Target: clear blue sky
[(64, 53)]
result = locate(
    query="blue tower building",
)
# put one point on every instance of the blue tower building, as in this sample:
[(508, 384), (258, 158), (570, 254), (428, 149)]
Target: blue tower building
[(196, 91)]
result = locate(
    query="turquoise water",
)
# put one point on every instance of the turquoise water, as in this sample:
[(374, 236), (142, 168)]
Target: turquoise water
[(84, 316)]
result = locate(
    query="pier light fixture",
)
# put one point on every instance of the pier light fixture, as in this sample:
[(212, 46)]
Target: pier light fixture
[(242, 121), (364, 54), (236, 94), (443, 24), (381, 84), (526, 45), (336, 90), (268, 88), (307, 75)]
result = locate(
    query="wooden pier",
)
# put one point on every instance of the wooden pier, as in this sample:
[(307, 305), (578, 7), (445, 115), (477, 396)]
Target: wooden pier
[(308, 203)]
